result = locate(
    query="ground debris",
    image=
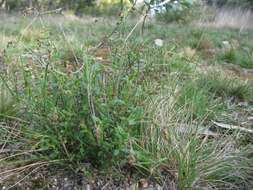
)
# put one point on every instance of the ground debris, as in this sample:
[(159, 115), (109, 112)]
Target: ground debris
[(63, 180)]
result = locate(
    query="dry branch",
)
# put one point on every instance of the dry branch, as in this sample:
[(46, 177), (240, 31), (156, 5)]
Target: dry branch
[(233, 127)]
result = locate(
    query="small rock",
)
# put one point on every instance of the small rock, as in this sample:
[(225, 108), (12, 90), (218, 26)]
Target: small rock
[(87, 187), (226, 45), (250, 119), (144, 183), (189, 52), (159, 42), (67, 187)]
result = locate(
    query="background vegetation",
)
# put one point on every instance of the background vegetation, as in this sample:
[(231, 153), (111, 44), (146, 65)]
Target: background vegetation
[(170, 105)]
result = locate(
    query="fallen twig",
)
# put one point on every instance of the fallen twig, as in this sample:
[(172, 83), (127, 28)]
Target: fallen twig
[(203, 131), (227, 126), (135, 26)]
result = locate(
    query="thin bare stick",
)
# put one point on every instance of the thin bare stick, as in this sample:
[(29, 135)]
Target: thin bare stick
[(56, 11), (23, 167), (19, 154), (96, 130), (133, 29), (14, 118), (66, 39), (28, 166), (234, 127), (26, 176)]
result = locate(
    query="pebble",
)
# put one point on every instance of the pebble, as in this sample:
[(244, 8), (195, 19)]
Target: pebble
[(159, 42)]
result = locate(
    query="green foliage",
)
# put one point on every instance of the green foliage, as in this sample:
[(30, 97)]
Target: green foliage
[(103, 10), (196, 99), (247, 4), (79, 7), (182, 11), (75, 5), (173, 16), (236, 56), (81, 117)]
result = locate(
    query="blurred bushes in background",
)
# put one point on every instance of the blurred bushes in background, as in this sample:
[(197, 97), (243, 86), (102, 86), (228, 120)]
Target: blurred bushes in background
[(182, 11), (245, 4), (78, 7)]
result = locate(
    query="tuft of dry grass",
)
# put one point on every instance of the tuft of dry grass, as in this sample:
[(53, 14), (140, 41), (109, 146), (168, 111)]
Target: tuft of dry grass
[(192, 159)]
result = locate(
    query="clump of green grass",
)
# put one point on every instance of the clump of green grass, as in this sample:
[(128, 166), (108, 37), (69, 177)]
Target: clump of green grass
[(235, 56), (197, 99), (225, 86), (7, 101)]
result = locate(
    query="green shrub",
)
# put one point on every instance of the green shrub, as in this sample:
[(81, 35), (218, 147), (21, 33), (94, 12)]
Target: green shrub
[(181, 12), (82, 118), (110, 10)]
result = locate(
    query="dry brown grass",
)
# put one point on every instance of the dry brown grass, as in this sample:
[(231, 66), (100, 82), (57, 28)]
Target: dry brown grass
[(234, 18)]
